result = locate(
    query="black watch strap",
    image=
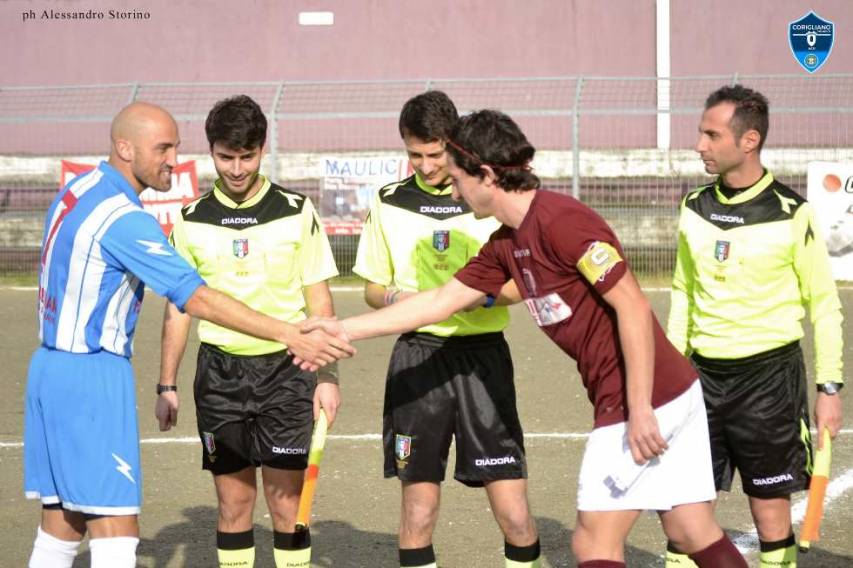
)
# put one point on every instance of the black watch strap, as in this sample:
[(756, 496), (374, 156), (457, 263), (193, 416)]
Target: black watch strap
[(830, 387), (166, 388)]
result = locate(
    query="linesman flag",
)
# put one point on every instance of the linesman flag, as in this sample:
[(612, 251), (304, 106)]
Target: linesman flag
[(318, 442), (810, 530)]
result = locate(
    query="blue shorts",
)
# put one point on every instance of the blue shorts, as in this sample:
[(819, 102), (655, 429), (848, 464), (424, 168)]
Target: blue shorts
[(81, 440)]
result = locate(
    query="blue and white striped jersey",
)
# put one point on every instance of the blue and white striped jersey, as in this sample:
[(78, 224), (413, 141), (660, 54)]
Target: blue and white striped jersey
[(100, 250)]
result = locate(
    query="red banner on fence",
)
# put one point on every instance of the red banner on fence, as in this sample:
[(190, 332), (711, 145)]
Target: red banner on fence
[(165, 205)]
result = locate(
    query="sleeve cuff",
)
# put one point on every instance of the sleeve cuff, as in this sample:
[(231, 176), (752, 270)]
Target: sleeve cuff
[(184, 291)]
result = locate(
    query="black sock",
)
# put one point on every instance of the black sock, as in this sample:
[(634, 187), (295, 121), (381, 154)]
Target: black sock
[(771, 546), (417, 556), (527, 553), (292, 541), (235, 541)]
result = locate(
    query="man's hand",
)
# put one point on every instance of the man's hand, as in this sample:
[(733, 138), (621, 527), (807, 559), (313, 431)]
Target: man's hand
[(644, 437), (166, 410), (315, 346), (827, 414), (332, 326), (328, 397)]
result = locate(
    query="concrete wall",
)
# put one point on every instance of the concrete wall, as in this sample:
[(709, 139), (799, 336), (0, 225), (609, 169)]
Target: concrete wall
[(256, 40)]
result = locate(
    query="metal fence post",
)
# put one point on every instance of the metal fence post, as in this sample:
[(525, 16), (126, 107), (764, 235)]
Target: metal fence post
[(576, 150), (273, 137)]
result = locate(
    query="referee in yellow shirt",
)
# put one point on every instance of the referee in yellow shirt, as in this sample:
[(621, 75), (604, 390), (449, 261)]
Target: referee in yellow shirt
[(750, 260), (453, 379), (264, 245)]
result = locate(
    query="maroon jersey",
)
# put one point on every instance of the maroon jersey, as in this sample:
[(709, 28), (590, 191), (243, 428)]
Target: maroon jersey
[(563, 257)]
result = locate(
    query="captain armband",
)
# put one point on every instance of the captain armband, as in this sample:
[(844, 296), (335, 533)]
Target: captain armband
[(328, 374), (598, 260)]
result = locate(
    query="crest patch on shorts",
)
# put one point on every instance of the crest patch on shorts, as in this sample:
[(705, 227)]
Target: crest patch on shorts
[(209, 444), (402, 449)]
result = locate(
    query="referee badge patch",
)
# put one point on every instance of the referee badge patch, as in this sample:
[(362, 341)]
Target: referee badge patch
[(209, 444), (441, 240), (240, 247), (598, 260), (721, 250), (403, 446)]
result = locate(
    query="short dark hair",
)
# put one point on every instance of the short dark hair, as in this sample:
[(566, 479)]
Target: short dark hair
[(237, 122), (428, 116), (751, 109), (491, 138)]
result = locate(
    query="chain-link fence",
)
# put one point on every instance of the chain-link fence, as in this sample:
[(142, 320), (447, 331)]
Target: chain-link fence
[(621, 145)]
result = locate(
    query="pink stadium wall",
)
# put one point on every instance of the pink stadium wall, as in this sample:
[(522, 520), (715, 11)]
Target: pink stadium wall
[(260, 40)]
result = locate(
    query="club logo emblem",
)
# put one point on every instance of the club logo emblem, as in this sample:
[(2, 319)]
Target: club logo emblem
[(209, 444), (811, 38), (403, 447), (240, 247), (721, 251), (441, 240)]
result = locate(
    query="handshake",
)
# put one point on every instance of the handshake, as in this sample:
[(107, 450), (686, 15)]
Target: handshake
[(319, 341)]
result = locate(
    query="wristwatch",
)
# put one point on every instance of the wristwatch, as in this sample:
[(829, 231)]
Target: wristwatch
[(829, 388), (166, 388)]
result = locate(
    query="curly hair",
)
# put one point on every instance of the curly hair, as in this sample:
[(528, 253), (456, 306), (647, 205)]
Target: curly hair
[(491, 138), (237, 123)]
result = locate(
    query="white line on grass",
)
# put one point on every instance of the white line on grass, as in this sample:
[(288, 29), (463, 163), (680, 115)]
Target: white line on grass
[(365, 438), (748, 542)]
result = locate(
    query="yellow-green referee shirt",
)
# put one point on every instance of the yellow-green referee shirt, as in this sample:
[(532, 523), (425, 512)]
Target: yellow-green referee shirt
[(747, 268), (416, 237), (262, 251)]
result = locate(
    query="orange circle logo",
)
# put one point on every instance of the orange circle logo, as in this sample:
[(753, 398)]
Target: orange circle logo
[(831, 183)]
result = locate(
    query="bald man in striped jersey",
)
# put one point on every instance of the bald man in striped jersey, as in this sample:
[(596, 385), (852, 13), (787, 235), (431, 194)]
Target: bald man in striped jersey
[(99, 251)]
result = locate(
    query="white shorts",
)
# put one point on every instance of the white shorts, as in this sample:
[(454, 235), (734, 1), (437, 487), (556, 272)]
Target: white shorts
[(611, 481)]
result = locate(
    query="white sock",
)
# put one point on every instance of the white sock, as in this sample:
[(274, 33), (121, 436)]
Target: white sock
[(115, 552), (51, 552)]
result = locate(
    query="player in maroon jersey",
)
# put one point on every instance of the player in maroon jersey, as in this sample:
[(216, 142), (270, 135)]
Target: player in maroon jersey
[(649, 447)]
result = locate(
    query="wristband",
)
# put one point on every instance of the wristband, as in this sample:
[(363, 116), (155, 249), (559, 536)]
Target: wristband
[(166, 388), (391, 296), (490, 301)]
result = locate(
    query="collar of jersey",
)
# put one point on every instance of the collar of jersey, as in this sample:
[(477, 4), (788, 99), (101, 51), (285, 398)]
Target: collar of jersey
[(228, 202), (444, 190), (746, 194), (120, 181)]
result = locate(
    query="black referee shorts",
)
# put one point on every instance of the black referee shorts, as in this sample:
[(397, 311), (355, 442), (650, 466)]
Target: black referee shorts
[(758, 420), (440, 388), (252, 410)]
